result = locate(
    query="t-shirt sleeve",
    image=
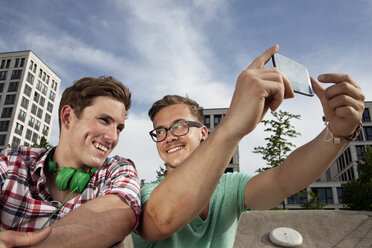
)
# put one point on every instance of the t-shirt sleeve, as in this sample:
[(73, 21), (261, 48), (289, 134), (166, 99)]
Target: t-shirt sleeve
[(122, 180), (238, 181)]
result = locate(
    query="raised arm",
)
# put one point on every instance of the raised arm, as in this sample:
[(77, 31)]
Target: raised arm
[(100, 222), (343, 105), (187, 190)]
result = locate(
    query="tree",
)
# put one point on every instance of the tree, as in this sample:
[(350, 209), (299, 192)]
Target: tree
[(277, 146), (357, 194), (162, 172), (312, 202), (42, 144)]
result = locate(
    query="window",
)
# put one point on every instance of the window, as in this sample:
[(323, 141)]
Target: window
[(34, 69), (4, 125), (39, 113), (36, 97), (7, 63), (37, 125), (44, 75), (13, 86), (52, 95), (42, 101), (26, 144), (16, 63), (18, 129), (44, 89), (368, 132), (359, 151), (31, 65), (10, 99), (3, 75), (297, 198), (54, 85), (27, 90), (217, 119), (2, 64), (45, 130), (22, 62), (50, 107), (30, 78), (2, 139), (39, 85), (16, 74), (22, 115), (28, 134), (366, 117), (207, 120), (34, 137), (7, 112), (47, 118), (33, 108), (40, 73), (31, 121), (325, 195), (2, 87), (47, 79), (359, 137), (16, 141), (24, 102)]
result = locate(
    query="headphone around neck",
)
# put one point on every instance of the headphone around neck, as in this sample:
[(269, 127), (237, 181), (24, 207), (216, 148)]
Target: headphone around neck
[(69, 178)]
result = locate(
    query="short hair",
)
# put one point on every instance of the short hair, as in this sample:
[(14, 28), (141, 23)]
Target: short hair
[(168, 100), (82, 93)]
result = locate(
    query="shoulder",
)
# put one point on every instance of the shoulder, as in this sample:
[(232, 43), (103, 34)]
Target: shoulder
[(147, 188), (26, 154), (117, 164), (235, 177)]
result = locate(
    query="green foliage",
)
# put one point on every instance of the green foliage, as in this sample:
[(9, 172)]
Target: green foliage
[(277, 146), (162, 172), (42, 144), (357, 194), (313, 202), (276, 208)]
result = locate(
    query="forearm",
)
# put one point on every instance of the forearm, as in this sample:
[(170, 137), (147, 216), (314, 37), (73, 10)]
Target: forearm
[(98, 223), (301, 168), (185, 192)]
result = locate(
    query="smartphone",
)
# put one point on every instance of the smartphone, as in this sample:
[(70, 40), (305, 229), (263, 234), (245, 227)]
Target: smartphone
[(296, 73)]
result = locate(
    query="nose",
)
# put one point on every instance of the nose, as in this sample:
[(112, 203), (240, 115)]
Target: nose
[(112, 135), (170, 136)]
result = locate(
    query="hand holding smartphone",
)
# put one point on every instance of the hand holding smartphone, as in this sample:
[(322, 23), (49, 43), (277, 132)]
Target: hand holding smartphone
[(296, 73)]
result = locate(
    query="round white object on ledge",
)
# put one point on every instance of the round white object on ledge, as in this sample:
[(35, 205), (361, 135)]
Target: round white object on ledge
[(286, 237)]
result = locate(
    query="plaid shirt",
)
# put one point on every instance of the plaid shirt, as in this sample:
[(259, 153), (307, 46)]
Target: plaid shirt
[(25, 200)]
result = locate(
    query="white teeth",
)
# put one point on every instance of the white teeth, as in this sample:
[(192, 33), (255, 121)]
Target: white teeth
[(174, 149), (101, 147)]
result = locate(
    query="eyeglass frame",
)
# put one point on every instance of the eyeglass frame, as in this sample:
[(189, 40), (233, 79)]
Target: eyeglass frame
[(193, 123)]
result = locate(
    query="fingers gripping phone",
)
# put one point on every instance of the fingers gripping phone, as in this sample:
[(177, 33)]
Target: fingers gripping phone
[(296, 73)]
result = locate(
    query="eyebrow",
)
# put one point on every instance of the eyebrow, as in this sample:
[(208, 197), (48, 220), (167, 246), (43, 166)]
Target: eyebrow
[(174, 122)]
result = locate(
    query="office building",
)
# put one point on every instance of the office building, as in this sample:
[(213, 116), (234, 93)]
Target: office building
[(342, 170), (212, 117), (28, 99)]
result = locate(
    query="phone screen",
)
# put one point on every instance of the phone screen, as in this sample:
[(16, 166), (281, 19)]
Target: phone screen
[(296, 73)]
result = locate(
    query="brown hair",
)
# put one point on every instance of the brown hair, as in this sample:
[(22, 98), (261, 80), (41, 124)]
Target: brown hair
[(81, 94), (168, 100)]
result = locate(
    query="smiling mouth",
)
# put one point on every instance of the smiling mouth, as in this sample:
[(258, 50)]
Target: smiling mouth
[(100, 147), (174, 149)]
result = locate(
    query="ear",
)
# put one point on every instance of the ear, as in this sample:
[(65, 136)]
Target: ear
[(67, 114), (204, 132)]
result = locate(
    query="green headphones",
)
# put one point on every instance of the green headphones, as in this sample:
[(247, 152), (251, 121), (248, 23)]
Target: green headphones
[(69, 178)]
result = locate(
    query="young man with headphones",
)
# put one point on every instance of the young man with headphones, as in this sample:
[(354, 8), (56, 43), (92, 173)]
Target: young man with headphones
[(88, 199), (195, 204)]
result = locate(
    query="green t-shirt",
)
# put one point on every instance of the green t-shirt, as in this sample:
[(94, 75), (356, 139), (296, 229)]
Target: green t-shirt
[(219, 229)]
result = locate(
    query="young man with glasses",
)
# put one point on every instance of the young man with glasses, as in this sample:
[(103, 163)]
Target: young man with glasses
[(196, 205)]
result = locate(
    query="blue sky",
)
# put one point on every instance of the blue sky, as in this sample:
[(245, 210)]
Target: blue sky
[(196, 48)]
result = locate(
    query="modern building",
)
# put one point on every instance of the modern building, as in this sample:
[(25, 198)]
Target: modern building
[(212, 117), (28, 95), (342, 170)]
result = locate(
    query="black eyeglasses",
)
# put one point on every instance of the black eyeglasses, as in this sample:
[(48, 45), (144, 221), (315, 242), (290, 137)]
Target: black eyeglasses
[(179, 128)]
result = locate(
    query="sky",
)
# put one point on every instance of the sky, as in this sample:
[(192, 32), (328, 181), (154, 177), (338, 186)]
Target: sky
[(195, 48)]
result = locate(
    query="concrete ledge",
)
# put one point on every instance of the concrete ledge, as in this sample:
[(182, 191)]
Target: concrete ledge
[(319, 228)]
